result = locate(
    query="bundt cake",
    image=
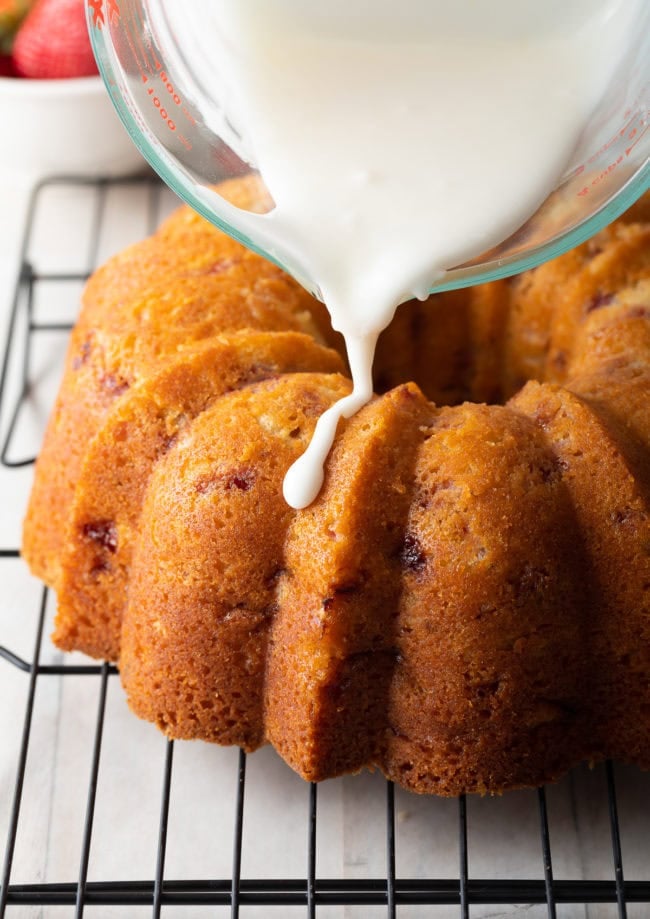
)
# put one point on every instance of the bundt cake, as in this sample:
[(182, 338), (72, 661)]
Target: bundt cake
[(465, 605)]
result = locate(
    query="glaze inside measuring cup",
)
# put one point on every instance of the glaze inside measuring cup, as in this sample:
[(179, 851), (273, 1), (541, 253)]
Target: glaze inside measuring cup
[(161, 85)]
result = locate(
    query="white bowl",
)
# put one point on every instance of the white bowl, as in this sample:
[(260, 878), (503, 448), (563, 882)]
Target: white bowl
[(63, 126)]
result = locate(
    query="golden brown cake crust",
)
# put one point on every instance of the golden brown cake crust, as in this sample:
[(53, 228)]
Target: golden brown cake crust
[(141, 428), (466, 604), (332, 648), (491, 624), (208, 559)]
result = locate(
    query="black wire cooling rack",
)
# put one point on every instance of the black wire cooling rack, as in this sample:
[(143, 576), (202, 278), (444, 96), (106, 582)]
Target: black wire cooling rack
[(312, 892)]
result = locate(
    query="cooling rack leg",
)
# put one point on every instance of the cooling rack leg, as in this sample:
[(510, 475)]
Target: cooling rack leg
[(311, 850), (462, 851), (616, 842), (162, 833), (546, 853), (22, 760), (238, 836), (390, 849), (92, 794), (23, 301)]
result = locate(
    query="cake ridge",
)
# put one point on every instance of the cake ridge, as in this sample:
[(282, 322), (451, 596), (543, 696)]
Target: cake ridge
[(215, 511), (338, 602), (142, 427)]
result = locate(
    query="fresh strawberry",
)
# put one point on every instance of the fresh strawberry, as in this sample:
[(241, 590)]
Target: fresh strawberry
[(53, 42), (12, 13), (6, 66)]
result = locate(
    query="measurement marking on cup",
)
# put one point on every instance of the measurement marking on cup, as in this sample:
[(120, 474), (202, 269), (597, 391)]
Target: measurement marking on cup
[(170, 88), (132, 46), (151, 49), (139, 53), (637, 138), (164, 114), (634, 131), (137, 36)]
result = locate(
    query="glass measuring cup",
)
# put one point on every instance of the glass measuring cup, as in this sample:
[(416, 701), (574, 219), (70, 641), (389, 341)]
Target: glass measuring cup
[(161, 77)]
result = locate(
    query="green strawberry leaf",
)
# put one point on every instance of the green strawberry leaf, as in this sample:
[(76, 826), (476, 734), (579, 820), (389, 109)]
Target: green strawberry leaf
[(12, 13)]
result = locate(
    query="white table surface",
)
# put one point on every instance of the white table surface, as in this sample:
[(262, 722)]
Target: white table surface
[(504, 838)]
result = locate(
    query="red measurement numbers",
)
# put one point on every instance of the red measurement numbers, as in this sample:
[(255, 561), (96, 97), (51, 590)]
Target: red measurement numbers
[(98, 7), (170, 98), (174, 99)]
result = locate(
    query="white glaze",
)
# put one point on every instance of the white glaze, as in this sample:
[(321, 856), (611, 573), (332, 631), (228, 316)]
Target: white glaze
[(304, 479), (400, 140)]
